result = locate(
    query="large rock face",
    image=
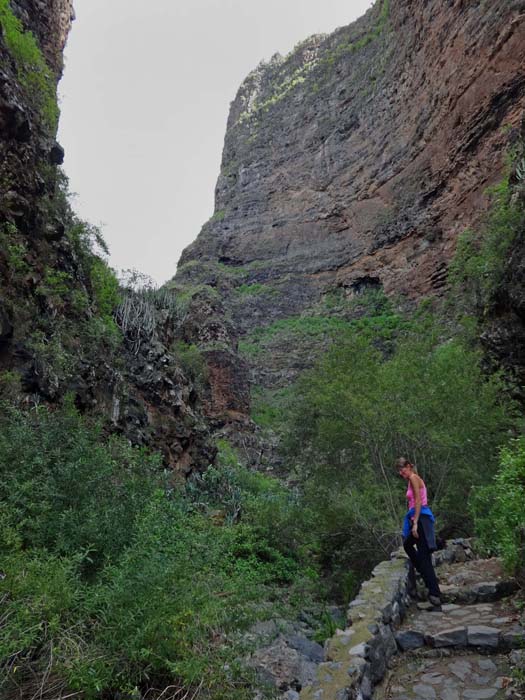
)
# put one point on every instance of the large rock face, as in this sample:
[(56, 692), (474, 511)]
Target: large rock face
[(50, 22), (357, 160), (366, 152)]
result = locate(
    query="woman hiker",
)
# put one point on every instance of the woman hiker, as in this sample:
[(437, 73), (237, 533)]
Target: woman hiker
[(419, 539)]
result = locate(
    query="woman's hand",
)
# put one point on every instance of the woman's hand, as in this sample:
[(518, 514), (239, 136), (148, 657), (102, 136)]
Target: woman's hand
[(414, 530)]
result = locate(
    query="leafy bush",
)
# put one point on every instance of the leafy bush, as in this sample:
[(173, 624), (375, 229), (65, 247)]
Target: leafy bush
[(498, 508), (41, 630), (55, 287), (105, 287), (71, 492), (192, 362), (481, 256), (15, 251)]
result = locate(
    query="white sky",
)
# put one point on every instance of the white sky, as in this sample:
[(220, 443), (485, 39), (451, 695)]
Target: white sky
[(145, 98)]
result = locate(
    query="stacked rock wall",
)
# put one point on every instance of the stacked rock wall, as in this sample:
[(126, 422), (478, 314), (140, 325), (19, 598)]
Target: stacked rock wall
[(357, 657)]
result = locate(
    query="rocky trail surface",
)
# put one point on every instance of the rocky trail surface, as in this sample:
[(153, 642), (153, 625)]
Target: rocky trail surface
[(395, 648), (460, 652)]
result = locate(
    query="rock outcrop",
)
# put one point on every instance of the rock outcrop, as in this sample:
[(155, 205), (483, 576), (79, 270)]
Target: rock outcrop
[(363, 154)]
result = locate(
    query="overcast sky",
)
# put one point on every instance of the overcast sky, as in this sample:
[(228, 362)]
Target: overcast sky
[(145, 98)]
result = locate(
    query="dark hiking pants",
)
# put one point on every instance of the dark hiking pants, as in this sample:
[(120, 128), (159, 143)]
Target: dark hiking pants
[(421, 558)]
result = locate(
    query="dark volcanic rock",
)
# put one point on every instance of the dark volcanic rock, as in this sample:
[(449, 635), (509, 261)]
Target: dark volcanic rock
[(54, 336)]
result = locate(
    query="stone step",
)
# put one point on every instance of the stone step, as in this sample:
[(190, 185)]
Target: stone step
[(475, 636), (480, 592), (489, 626)]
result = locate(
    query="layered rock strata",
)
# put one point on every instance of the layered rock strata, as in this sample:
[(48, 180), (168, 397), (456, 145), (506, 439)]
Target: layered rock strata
[(364, 153)]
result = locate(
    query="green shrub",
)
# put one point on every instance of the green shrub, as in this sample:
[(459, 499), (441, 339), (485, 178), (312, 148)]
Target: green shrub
[(192, 362), (10, 385), (479, 264), (114, 586), (71, 491), (268, 406), (41, 631), (106, 290), (99, 334), (85, 237), (55, 361), (499, 507), (55, 287)]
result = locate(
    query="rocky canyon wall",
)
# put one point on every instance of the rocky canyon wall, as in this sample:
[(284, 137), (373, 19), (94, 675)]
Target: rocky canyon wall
[(355, 162)]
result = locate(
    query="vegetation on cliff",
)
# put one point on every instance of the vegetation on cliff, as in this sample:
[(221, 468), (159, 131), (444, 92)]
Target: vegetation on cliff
[(119, 579), (33, 72)]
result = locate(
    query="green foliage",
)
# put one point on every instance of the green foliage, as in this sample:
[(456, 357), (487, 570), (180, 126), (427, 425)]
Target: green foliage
[(377, 322), (105, 286), (186, 293), (428, 399), (254, 289), (112, 584), (33, 72), (480, 260), (41, 596), (55, 361), (85, 238), (218, 216), (15, 251), (98, 334), (55, 287), (10, 385), (352, 46), (269, 406), (498, 508), (71, 492)]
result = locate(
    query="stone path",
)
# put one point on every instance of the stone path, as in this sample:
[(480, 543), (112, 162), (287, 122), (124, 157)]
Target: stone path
[(468, 677), (458, 652), (393, 649)]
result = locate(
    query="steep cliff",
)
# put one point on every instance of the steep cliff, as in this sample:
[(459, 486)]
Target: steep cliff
[(58, 295), (353, 164)]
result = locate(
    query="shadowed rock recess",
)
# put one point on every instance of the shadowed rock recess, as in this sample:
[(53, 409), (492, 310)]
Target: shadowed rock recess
[(353, 163)]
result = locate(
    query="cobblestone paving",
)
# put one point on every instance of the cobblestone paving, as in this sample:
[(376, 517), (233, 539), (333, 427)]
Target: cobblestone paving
[(458, 652), (460, 677), (500, 616)]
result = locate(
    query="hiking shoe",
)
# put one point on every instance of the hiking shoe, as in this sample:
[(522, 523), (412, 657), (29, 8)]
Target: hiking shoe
[(434, 599)]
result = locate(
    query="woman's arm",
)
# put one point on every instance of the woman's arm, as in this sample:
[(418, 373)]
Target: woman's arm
[(415, 482)]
